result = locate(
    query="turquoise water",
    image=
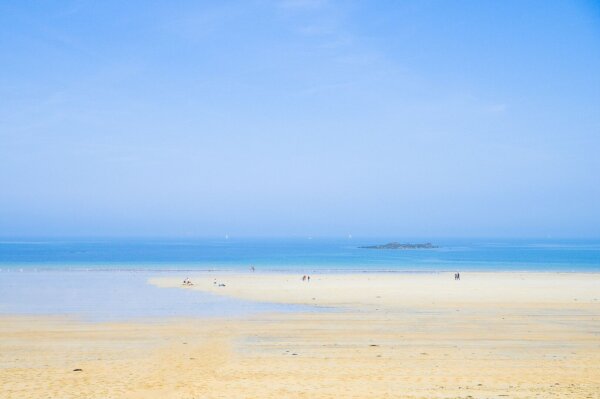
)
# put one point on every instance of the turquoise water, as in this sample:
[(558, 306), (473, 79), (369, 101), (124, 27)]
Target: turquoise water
[(299, 255)]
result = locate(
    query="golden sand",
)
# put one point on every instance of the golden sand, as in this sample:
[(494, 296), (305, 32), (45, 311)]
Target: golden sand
[(387, 336)]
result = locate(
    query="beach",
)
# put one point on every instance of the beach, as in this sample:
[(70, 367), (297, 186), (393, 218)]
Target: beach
[(369, 335), (300, 199)]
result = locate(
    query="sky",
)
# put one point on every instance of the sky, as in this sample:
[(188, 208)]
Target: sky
[(300, 117)]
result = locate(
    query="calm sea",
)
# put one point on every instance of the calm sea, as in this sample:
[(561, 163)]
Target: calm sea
[(299, 255)]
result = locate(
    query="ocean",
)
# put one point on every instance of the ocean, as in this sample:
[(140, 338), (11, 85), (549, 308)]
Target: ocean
[(300, 255), (106, 279)]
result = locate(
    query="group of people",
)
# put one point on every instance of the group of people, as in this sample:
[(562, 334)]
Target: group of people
[(457, 276), (218, 284), (187, 281), (306, 277)]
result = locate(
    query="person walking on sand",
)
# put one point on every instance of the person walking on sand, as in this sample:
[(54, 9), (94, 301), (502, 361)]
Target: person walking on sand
[(304, 278), (308, 278)]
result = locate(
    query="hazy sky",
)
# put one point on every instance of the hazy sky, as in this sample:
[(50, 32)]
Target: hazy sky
[(300, 117)]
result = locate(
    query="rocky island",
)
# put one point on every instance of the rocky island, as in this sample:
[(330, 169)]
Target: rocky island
[(397, 245)]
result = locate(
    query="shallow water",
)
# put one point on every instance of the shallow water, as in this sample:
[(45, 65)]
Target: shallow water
[(115, 296)]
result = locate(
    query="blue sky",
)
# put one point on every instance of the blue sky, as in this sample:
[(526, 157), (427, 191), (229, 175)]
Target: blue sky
[(300, 117)]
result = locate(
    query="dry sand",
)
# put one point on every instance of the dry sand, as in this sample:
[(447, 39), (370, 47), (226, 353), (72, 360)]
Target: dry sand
[(389, 336)]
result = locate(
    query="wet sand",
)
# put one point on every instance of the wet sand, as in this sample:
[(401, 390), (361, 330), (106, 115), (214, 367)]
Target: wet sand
[(397, 336)]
